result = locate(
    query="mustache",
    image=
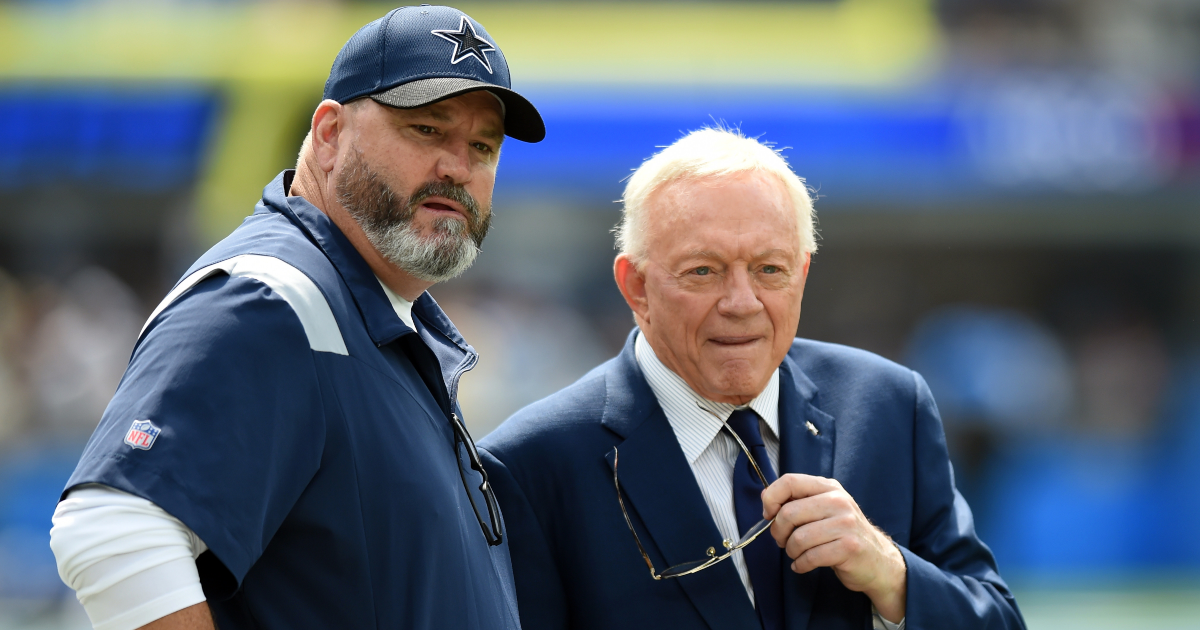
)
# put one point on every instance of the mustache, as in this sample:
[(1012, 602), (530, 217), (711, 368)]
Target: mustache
[(454, 192)]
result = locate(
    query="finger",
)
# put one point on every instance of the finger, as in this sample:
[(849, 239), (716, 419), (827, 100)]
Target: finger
[(816, 534), (830, 554), (794, 486), (801, 512)]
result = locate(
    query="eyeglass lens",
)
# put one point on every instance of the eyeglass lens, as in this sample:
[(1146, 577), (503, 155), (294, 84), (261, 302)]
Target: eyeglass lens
[(695, 565)]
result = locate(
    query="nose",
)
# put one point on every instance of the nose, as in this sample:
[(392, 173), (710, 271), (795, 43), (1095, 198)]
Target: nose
[(739, 300), (454, 165)]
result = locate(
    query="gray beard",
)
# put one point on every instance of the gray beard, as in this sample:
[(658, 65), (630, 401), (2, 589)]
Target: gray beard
[(387, 222)]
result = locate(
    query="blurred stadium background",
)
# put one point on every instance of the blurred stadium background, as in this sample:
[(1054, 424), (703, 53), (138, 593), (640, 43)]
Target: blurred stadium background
[(1009, 202)]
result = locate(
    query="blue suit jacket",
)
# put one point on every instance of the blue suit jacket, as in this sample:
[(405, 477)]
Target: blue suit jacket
[(879, 434)]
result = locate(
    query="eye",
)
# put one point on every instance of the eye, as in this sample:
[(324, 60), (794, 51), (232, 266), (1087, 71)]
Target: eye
[(770, 269), (425, 130), (702, 271), (484, 148)]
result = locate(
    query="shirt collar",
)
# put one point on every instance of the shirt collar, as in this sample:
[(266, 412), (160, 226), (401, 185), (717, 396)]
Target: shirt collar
[(694, 427), (384, 324)]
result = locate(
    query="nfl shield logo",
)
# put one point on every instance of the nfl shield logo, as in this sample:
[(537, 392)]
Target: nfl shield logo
[(142, 434)]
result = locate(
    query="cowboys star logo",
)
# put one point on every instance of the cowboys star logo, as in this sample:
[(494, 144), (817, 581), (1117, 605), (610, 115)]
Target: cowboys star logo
[(467, 43)]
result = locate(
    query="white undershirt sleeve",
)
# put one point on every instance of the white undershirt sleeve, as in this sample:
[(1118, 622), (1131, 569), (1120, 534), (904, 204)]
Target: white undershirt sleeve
[(127, 559)]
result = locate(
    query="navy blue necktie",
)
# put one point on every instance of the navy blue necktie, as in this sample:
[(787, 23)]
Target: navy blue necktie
[(763, 559)]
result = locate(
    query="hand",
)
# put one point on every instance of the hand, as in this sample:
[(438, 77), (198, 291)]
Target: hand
[(818, 524)]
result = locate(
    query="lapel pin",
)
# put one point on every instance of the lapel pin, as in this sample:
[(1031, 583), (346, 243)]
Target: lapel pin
[(812, 428)]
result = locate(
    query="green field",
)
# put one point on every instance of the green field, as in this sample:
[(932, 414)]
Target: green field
[(1160, 607)]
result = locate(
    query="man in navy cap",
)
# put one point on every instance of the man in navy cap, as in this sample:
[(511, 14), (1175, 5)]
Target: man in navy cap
[(286, 449)]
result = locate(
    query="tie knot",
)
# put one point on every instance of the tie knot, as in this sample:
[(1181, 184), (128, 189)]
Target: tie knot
[(744, 422)]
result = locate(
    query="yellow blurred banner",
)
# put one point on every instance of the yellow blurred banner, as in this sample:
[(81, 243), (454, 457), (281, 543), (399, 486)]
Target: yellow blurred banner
[(857, 42), (271, 59)]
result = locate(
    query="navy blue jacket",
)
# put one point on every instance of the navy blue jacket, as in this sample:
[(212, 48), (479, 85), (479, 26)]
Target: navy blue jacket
[(576, 564), (279, 407)]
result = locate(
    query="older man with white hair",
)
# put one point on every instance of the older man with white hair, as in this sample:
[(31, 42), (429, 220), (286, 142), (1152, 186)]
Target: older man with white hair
[(819, 471)]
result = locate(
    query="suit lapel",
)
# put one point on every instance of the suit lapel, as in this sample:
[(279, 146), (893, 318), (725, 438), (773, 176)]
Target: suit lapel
[(800, 451), (661, 492)]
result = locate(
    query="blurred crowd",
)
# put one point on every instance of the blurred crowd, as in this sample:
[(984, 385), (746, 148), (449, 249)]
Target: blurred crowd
[(1073, 427), (1074, 448), (63, 348)]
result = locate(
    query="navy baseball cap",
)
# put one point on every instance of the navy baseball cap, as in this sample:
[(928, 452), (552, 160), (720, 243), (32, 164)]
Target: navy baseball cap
[(414, 56)]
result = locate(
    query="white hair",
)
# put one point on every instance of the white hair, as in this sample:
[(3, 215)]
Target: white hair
[(705, 153)]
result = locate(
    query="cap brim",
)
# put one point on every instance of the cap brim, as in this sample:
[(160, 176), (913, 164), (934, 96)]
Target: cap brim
[(521, 119)]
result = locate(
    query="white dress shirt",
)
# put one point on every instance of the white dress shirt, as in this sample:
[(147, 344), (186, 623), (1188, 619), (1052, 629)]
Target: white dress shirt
[(712, 452)]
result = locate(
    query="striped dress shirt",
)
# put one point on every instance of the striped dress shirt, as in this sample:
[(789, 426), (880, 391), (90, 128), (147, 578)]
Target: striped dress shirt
[(711, 452)]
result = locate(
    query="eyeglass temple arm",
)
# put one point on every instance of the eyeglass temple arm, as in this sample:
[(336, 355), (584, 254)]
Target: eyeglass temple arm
[(725, 423), (496, 536), (654, 574)]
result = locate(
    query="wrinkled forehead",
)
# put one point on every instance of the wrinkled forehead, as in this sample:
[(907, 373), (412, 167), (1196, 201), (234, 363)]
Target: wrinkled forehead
[(742, 195), (741, 216)]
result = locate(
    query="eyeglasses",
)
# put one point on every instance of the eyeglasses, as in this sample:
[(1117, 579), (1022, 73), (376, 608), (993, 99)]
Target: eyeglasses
[(688, 568), (492, 530)]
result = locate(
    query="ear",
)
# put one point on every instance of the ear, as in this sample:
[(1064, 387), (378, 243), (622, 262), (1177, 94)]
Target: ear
[(328, 123), (807, 262), (632, 284)]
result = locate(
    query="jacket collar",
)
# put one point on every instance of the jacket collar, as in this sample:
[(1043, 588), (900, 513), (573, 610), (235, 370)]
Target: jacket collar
[(382, 323), (629, 401)]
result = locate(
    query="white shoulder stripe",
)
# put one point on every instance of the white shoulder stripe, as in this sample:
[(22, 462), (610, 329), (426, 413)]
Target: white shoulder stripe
[(300, 292)]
